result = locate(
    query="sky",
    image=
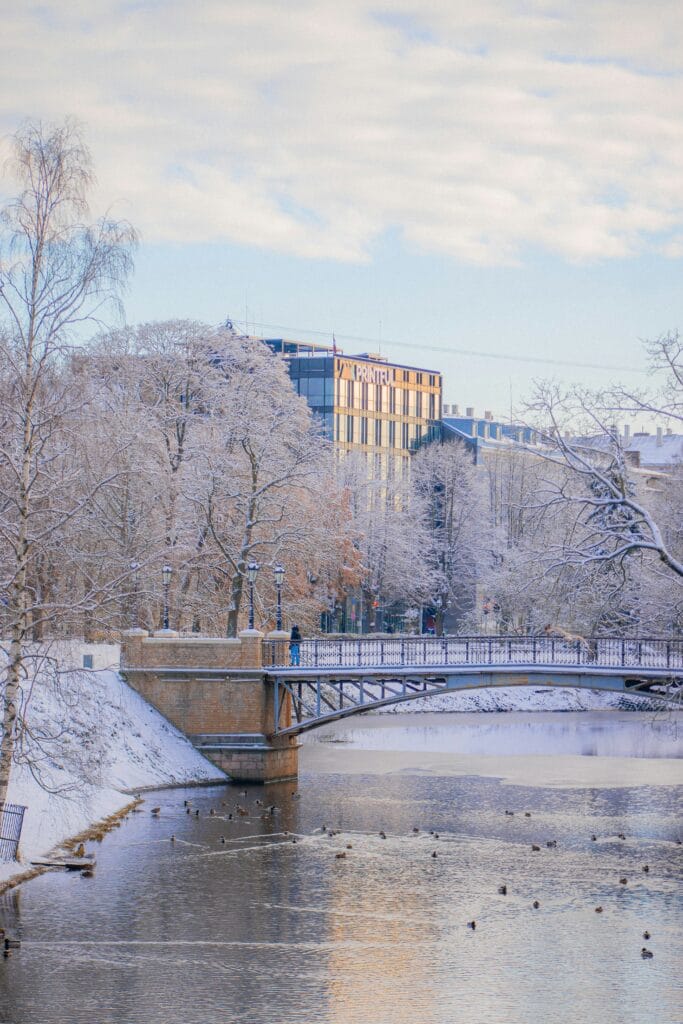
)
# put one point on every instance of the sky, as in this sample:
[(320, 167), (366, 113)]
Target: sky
[(493, 190)]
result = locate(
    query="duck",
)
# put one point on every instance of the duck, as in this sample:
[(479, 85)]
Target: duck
[(340, 856), (535, 904), (598, 910), (646, 954), (434, 854), (188, 810), (88, 873), (620, 835), (472, 925), (212, 812), (415, 831), (173, 839), (535, 848), (527, 814), (623, 881), (242, 792), (242, 811), (436, 835), (502, 890), (594, 839), (79, 851), (646, 868), (646, 934), (186, 803), (349, 846), (510, 814), (155, 811), (383, 835), (551, 844), (259, 803)]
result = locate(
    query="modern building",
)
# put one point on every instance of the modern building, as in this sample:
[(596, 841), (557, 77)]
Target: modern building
[(365, 403)]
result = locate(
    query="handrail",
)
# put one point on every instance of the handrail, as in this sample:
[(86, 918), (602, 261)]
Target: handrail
[(451, 651)]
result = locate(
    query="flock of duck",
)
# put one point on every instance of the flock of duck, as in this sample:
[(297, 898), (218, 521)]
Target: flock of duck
[(266, 812)]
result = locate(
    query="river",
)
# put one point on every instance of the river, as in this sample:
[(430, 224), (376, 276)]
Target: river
[(271, 926)]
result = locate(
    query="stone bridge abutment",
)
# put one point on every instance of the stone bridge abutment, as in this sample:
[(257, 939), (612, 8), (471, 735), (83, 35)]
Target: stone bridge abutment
[(216, 692)]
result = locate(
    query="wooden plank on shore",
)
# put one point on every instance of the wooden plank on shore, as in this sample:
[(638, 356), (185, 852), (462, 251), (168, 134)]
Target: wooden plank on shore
[(73, 863)]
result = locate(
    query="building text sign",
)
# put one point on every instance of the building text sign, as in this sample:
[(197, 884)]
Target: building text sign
[(367, 374)]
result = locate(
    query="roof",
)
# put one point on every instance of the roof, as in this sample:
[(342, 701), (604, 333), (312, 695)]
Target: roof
[(657, 451)]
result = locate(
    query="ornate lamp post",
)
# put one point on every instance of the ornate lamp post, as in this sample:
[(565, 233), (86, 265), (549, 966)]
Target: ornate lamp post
[(279, 574), (252, 570), (166, 576)]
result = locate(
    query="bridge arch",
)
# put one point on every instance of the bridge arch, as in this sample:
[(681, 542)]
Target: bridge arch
[(307, 699)]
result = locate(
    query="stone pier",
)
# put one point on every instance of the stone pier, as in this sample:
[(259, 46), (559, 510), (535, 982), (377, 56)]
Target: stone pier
[(216, 692)]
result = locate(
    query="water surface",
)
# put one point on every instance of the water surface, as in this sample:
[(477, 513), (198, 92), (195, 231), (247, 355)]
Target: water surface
[(261, 929)]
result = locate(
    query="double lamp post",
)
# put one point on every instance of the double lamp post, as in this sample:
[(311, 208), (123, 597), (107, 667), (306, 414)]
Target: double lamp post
[(279, 576)]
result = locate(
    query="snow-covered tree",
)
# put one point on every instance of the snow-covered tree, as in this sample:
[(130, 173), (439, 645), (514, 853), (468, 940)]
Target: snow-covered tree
[(452, 498), (55, 273)]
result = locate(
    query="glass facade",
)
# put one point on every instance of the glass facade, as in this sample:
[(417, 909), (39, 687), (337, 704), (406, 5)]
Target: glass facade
[(365, 403)]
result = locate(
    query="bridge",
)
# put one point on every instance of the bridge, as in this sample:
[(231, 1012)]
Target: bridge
[(342, 677), (243, 704)]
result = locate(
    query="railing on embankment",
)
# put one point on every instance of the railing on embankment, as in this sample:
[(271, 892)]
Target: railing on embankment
[(394, 652)]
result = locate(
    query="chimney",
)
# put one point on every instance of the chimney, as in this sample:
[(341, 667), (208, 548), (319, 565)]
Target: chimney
[(627, 433), (659, 437), (469, 412)]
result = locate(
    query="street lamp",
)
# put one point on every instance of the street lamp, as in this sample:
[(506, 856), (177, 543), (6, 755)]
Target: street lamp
[(134, 568), (252, 569), (279, 574), (166, 576)]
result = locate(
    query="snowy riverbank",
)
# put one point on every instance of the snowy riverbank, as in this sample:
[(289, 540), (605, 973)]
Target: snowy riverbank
[(99, 742), (523, 698)]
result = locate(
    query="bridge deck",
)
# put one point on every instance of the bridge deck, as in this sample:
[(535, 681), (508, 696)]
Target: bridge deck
[(338, 678)]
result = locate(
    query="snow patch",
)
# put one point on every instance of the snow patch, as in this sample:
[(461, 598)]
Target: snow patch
[(110, 742)]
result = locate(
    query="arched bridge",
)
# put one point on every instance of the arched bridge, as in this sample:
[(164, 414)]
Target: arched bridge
[(336, 678)]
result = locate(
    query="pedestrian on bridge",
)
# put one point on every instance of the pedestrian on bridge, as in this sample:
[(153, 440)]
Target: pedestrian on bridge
[(294, 646)]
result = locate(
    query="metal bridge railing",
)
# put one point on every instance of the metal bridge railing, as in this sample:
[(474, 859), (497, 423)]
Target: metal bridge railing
[(394, 652), (11, 821)]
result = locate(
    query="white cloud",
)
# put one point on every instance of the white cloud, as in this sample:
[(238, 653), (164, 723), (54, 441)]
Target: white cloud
[(313, 127)]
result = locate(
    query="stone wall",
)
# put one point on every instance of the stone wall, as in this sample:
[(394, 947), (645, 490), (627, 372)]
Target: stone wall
[(215, 691)]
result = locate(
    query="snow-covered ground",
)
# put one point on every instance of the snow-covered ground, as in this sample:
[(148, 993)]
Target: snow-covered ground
[(110, 743), (522, 698)]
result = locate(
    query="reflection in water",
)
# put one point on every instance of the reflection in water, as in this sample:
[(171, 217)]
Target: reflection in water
[(260, 929)]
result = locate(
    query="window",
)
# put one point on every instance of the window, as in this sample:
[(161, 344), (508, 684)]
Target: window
[(418, 404), (349, 394), (87, 661), (432, 407), (378, 433), (349, 428), (406, 399), (364, 396), (392, 433), (364, 429), (337, 426), (392, 399), (404, 435), (378, 397)]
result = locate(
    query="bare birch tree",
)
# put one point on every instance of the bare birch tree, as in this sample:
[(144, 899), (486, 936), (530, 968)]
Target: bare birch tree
[(56, 272)]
